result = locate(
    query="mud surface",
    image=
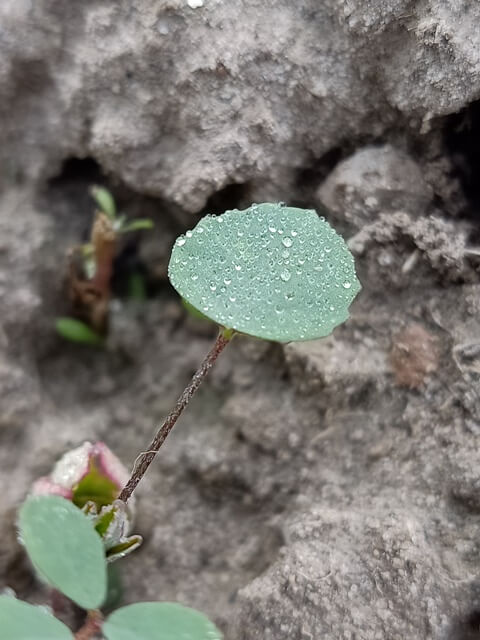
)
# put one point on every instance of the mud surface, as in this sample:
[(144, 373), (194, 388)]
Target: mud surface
[(319, 490)]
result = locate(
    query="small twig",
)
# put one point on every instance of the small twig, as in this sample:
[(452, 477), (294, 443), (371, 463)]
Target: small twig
[(473, 252), (145, 459), (92, 626), (58, 602)]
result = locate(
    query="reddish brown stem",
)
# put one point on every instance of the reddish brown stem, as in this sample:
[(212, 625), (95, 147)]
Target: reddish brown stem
[(145, 459), (92, 626)]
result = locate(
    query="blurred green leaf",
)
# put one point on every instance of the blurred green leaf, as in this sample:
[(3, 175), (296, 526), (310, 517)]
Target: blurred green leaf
[(137, 288), (64, 548), (22, 621), (115, 589), (77, 331), (137, 225), (159, 621), (104, 200)]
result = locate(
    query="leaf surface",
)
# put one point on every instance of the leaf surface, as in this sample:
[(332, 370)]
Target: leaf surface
[(274, 272), (159, 621), (65, 548), (22, 621)]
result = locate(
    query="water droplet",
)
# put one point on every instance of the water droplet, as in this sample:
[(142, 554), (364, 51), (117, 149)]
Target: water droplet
[(347, 285), (180, 241), (278, 308), (238, 267), (213, 286), (287, 242), (272, 229), (285, 275), (194, 277), (189, 234), (290, 295), (199, 229), (293, 234), (232, 298), (227, 281)]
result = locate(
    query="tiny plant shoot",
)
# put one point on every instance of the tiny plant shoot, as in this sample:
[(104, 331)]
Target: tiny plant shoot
[(272, 272), (91, 270)]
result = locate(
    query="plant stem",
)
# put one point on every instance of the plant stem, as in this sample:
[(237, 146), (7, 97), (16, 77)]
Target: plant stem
[(92, 626), (145, 459)]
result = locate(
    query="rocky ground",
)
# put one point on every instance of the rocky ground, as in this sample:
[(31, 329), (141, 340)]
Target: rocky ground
[(322, 490)]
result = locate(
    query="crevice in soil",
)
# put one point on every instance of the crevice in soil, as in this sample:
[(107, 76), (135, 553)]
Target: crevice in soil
[(232, 196), (468, 628), (309, 178), (462, 139)]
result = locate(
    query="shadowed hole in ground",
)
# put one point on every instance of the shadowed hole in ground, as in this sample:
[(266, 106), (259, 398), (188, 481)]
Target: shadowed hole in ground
[(232, 196), (462, 140)]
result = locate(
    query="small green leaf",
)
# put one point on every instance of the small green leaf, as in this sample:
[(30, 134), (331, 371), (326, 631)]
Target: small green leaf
[(274, 272), (77, 331), (137, 287), (159, 621), (103, 521), (64, 548), (137, 225), (124, 548), (115, 589), (105, 201), (22, 621)]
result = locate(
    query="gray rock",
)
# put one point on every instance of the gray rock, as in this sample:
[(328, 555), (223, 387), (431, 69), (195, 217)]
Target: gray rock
[(179, 101), (368, 574), (377, 179)]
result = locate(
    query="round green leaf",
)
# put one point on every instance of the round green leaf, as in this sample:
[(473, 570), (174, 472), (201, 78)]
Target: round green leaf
[(159, 621), (271, 271), (22, 621), (65, 549)]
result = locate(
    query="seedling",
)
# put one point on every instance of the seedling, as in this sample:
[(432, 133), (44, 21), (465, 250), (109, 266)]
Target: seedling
[(68, 554), (273, 272), (91, 269)]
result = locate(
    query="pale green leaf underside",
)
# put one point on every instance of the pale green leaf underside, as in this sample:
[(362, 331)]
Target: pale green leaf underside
[(65, 549), (22, 621), (159, 621), (271, 271)]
